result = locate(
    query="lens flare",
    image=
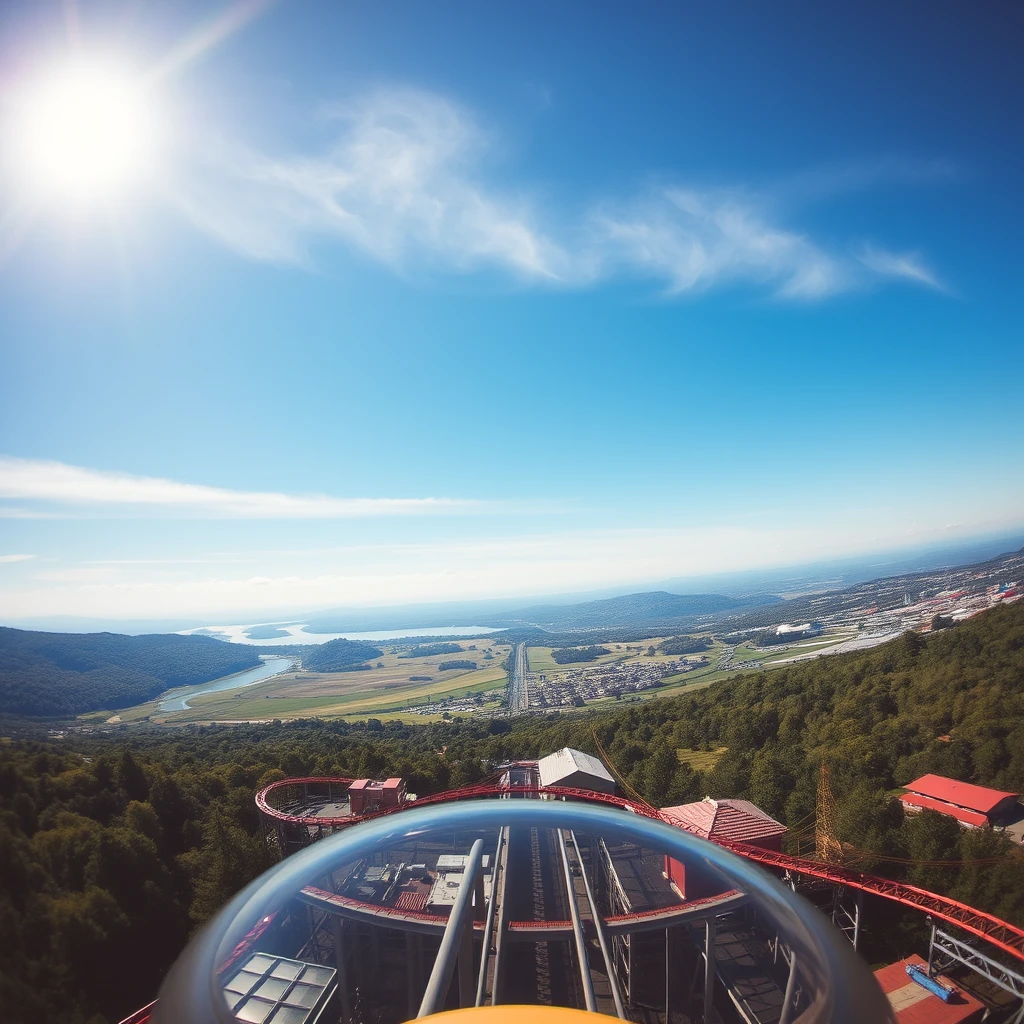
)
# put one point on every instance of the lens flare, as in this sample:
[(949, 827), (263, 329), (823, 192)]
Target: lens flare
[(85, 131)]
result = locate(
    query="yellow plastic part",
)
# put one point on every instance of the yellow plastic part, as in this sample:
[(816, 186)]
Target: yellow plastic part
[(531, 1013)]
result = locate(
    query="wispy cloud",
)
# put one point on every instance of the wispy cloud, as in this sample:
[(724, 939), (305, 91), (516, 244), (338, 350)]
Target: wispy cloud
[(908, 266), (15, 558), (694, 241), (76, 486), (401, 178)]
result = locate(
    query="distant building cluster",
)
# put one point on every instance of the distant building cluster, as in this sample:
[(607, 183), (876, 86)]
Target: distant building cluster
[(586, 684), (805, 629)]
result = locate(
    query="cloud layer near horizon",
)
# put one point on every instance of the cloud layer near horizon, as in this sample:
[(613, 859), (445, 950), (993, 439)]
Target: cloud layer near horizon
[(76, 487), (401, 180)]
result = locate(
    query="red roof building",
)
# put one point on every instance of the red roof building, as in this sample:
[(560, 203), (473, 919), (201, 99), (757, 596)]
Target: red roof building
[(914, 1004), (366, 795), (973, 806), (738, 821)]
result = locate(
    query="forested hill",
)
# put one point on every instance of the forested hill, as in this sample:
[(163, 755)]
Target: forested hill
[(70, 673), (656, 608), (339, 655)]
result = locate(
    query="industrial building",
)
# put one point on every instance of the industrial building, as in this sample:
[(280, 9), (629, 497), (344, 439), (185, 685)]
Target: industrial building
[(368, 795), (574, 769), (972, 806)]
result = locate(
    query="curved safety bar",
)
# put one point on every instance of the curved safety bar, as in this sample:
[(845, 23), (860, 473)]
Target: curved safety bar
[(840, 985)]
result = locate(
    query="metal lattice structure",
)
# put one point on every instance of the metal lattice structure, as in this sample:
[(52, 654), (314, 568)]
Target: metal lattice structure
[(1001, 934), (827, 847)]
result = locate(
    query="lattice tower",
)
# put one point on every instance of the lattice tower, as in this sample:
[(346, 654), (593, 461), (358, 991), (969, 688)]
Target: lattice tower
[(827, 847)]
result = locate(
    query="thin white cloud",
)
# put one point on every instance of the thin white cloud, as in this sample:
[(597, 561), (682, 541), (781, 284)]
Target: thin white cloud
[(399, 176), (58, 483), (695, 241), (401, 179), (15, 558), (908, 266)]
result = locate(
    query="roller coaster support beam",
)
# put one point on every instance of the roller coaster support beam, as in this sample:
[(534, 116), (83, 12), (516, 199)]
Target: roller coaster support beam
[(337, 928), (577, 927), (485, 952), (602, 938), (948, 949), (460, 920), (710, 931)]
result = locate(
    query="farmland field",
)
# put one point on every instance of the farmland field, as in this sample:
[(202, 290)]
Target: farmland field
[(397, 687)]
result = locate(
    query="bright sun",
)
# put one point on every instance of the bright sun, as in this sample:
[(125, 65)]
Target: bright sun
[(86, 131)]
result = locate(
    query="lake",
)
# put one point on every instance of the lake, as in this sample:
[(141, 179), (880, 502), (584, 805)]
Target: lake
[(294, 633), (177, 700)]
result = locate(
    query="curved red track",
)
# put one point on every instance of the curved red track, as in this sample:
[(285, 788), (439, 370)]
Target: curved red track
[(1001, 934)]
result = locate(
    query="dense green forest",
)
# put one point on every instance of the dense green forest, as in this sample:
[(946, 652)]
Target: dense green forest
[(572, 655), (447, 666), (113, 847), (338, 655), (432, 650), (685, 645), (70, 673)]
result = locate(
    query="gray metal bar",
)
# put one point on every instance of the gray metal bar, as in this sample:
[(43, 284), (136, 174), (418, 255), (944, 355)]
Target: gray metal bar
[(485, 949), (668, 975), (502, 937), (602, 938), (339, 955), (577, 927), (410, 975), (787, 999), (466, 968), (461, 917), (956, 949), (710, 929)]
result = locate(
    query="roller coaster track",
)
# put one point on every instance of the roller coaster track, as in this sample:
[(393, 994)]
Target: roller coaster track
[(1004, 936)]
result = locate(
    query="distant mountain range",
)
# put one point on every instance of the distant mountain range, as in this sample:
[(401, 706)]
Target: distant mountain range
[(655, 609)]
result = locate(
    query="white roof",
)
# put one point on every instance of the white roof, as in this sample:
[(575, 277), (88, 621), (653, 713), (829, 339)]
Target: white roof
[(458, 861), (566, 762)]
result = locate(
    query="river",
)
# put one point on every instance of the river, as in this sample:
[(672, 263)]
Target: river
[(177, 700)]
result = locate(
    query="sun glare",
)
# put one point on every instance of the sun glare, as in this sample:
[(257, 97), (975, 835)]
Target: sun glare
[(85, 131)]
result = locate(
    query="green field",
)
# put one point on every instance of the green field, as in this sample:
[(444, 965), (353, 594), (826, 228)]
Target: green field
[(700, 760), (745, 652), (246, 705), (390, 692), (390, 688)]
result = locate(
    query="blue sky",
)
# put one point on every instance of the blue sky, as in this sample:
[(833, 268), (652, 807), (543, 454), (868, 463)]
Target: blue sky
[(421, 301)]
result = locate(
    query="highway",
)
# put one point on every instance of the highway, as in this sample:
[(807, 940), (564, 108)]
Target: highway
[(518, 697)]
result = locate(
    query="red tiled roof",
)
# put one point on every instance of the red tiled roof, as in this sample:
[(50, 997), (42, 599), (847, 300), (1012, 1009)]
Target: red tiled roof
[(411, 900), (738, 820), (963, 794), (926, 803)]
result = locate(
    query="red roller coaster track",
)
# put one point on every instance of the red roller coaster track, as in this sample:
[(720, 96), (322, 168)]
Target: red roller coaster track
[(1001, 934)]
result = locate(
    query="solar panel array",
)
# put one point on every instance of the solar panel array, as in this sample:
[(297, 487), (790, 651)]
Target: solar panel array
[(275, 990)]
